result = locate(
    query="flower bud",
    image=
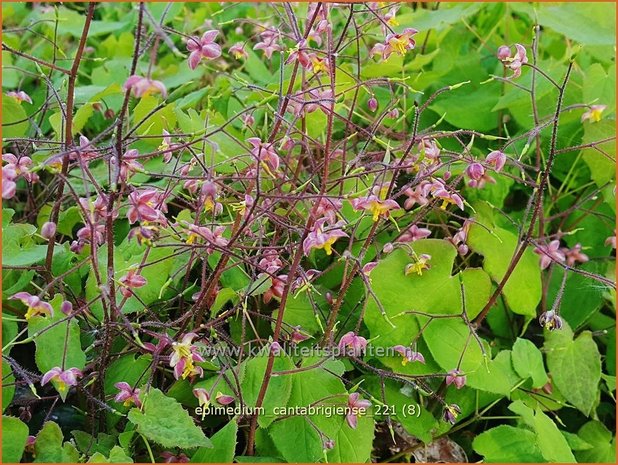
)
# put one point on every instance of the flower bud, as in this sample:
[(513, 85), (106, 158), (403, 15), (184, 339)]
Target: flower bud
[(475, 171), (48, 230), (388, 247), (372, 104)]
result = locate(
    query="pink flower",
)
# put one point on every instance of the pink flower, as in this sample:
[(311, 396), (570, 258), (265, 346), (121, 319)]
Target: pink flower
[(127, 395), (20, 167), (318, 238), (611, 240), (496, 159), (378, 208), (328, 207), (224, 399), (372, 104), (268, 43), (457, 378), (129, 164), (356, 408), (297, 336), (9, 187), (170, 457), (398, 43), (64, 379), (451, 412), (414, 196), (550, 320), (238, 51), (439, 190), (420, 264), (141, 86), (20, 96), (203, 397), (368, 268), (594, 113), (276, 289), (429, 149), (48, 230), (132, 280), (515, 62), (574, 255), (213, 237), (183, 357), (550, 253), (204, 48), (209, 196), (408, 355), (301, 55), (264, 152), (35, 305), (414, 233), (271, 263), (86, 150), (143, 206), (352, 344), (475, 171)]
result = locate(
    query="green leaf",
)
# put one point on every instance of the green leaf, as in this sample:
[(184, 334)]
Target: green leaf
[(594, 25), (575, 367), (497, 377), (14, 120), (528, 362), (552, 443), (435, 292), (14, 437), (48, 446), (8, 388), (279, 388), (497, 245), (603, 448), (507, 444), (224, 446), (601, 163), (450, 341), (164, 421)]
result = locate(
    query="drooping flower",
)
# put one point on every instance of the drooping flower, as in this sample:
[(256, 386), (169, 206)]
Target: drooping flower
[(594, 113), (574, 255), (276, 289), (514, 62), (611, 240), (550, 320), (184, 354), (300, 54), (142, 86), (352, 344), (20, 96), (420, 264), (372, 104), (378, 208), (408, 355), (457, 378), (203, 397), (397, 43), (238, 51), (132, 280), (550, 253), (318, 64), (322, 238), (368, 268), (297, 336), (417, 195), (129, 165), (429, 148), (328, 207), (264, 152), (35, 305), (212, 236), (224, 399), (270, 262), (356, 408), (204, 48), (209, 197), (414, 233), (64, 378), (127, 395), (451, 412)]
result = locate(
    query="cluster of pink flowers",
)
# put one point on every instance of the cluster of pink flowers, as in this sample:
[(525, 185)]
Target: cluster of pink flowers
[(14, 169), (552, 252)]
